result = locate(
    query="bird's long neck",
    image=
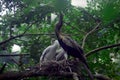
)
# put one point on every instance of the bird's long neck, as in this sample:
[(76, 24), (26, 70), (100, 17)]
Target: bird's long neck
[(58, 26)]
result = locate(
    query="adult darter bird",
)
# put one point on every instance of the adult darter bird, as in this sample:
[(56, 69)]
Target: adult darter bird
[(70, 46)]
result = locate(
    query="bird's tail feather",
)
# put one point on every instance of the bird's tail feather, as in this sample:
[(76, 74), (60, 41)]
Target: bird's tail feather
[(88, 71)]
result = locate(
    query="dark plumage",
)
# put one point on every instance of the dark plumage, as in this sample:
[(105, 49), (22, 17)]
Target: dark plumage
[(70, 46)]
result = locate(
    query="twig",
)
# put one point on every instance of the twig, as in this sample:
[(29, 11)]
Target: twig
[(101, 48), (84, 39)]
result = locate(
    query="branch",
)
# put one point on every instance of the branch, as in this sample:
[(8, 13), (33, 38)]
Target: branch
[(7, 55), (84, 39), (11, 38), (55, 69), (19, 75), (101, 48), (24, 74), (30, 34)]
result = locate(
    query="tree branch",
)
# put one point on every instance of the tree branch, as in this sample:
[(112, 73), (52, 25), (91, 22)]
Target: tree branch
[(7, 55), (57, 69), (101, 48), (84, 39), (11, 38), (29, 34), (19, 75)]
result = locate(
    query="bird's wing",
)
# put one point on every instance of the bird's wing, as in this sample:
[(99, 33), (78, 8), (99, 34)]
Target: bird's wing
[(44, 53), (68, 41), (61, 55)]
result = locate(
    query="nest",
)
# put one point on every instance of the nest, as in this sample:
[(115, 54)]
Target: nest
[(58, 66)]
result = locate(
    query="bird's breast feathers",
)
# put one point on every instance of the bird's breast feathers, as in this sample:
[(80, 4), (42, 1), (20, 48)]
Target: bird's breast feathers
[(71, 43)]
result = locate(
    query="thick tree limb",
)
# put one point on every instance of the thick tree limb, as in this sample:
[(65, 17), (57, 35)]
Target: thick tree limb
[(19, 75), (101, 48), (57, 69)]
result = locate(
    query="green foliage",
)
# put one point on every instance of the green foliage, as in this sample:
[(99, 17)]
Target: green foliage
[(109, 9), (34, 17)]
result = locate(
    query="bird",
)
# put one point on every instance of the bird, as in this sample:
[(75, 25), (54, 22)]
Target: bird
[(53, 53), (69, 45), (49, 53)]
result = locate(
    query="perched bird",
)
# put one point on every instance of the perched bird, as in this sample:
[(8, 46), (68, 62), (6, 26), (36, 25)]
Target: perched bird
[(70, 46), (53, 52), (50, 52)]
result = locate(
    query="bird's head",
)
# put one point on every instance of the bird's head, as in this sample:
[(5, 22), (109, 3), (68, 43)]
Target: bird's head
[(56, 43)]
